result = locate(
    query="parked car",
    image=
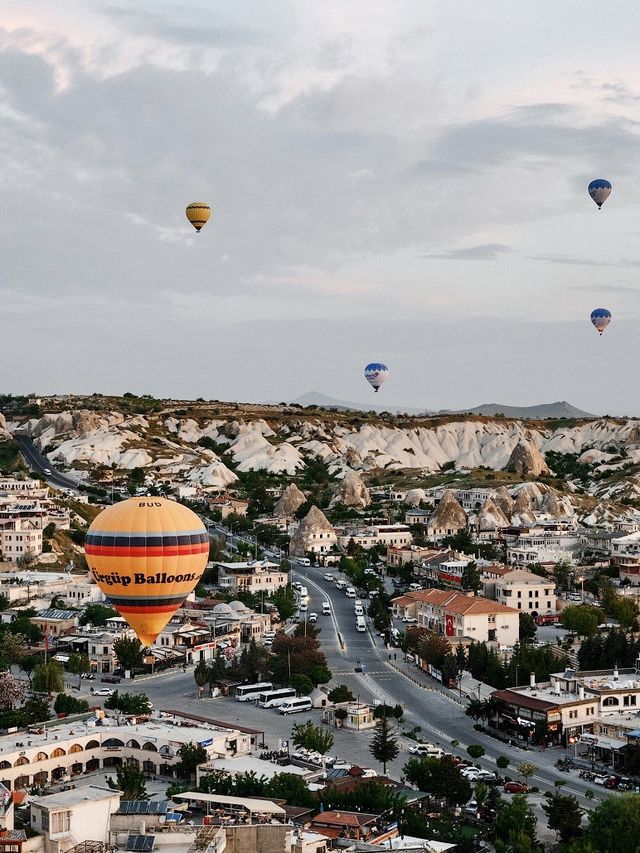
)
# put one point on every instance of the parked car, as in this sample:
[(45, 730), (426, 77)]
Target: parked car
[(471, 807), (329, 577), (111, 679), (313, 617), (304, 607), (102, 691), (515, 788), (601, 779), (410, 620)]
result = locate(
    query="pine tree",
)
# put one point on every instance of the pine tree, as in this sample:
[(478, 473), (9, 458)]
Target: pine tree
[(384, 746)]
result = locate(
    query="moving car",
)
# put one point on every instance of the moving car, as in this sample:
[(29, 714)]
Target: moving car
[(421, 748), (47, 471), (313, 617), (329, 577), (515, 788), (326, 608), (303, 607), (102, 691)]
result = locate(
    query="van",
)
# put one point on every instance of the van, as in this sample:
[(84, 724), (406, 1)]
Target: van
[(341, 584), (303, 561), (304, 593), (296, 706), (360, 623), (414, 587), (357, 603), (350, 592), (358, 610), (326, 608)]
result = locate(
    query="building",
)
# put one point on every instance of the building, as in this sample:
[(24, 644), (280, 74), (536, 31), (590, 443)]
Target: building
[(344, 824), (385, 535), (314, 535), (416, 554), (72, 817), (359, 716), (19, 537), (540, 545), (256, 576), (417, 516), (625, 556), (455, 614), (61, 750), (525, 591), (55, 623), (228, 505)]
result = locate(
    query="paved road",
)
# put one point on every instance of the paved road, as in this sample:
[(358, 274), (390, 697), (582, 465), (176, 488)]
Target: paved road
[(37, 462)]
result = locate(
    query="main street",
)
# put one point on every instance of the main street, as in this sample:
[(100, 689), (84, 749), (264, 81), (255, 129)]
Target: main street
[(39, 463)]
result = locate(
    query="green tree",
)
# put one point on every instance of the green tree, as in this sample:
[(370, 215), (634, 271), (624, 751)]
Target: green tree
[(341, 693), (291, 788), (614, 825), (471, 577), (311, 737), (515, 827), (48, 677), (384, 746), (433, 648), (475, 751), (133, 704), (66, 704), (528, 627), (128, 650), (561, 574), (526, 769), (302, 684), (97, 614), (79, 665), (564, 815), (201, 675), (191, 755), (581, 619), (439, 777), (130, 781), (502, 762), (285, 602)]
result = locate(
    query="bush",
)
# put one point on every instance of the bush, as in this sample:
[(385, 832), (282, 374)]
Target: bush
[(66, 704), (502, 762), (302, 684), (341, 694), (475, 750)]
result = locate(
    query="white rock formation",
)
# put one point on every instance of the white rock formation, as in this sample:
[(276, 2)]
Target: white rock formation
[(415, 497), (352, 491), (448, 515), (526, 459), (504, 501), (290, 501), (523, 515), (491, 517)]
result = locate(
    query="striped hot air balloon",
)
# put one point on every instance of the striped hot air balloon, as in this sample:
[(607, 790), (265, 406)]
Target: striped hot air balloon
[(198, 213), (146, 555)]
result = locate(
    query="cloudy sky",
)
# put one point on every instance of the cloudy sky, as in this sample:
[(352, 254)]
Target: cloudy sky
[(395, 181)]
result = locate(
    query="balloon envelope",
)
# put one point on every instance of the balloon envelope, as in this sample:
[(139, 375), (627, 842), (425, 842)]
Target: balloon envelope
[(146, 555), (376, 374), (601, 317), (600, 190), (198, 213)]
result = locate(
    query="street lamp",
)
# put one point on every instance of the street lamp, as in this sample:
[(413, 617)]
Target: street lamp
[(581, 579)]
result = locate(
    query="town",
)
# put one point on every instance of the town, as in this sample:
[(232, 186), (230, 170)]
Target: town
[(458, 642)]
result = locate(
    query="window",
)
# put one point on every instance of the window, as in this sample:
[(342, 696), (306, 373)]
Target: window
[(519, 594), (519, 606), (60, 822), (45, 820)]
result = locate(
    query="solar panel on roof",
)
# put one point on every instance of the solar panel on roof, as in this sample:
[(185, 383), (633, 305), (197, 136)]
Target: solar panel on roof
[(142, 807), (140, 843)]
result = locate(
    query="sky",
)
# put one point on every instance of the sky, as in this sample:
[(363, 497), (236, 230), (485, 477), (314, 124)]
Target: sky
[(403, 182)]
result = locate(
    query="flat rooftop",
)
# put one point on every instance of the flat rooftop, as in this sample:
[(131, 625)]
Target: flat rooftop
[(75, 796), (154, 730)]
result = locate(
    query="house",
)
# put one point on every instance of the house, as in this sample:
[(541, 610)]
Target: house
[(253, 576), (344, 824), (72, 817), (314, 535), (228, 505), (417, 516), (54, 622), (455, 614), (402, 554), (625, 556), (527, 592), (359, 716), (395, 535), (542, 545)]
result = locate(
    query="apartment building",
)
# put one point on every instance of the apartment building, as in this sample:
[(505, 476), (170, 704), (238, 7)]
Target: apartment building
[(19, 537), (254, 576), (387, 535), (625, 556), (71, 817), (525, 591), (454, 614), (539, 545)]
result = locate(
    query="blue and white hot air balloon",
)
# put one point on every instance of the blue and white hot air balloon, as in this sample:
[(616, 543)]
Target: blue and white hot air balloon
[(376, 374), (600, 317), (600, 190)]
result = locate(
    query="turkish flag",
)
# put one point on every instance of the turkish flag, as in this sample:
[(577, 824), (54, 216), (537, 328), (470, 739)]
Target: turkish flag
[(450, 630)]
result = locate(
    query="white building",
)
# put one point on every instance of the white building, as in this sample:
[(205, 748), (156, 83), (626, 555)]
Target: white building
[(386, 535), (18, 538), (527, 592), (538, 545), (254, 576), (72, 817), (625, 555)]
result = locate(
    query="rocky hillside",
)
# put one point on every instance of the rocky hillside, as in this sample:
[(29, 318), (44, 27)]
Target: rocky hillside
[(211, 443)]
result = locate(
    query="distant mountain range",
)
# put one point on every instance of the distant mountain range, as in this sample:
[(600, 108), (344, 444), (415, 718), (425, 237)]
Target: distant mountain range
[(561, 409)]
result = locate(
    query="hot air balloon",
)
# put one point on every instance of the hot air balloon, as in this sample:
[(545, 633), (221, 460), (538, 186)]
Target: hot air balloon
[(198, 213), (600, 317), (376, 374), (146, 555), (600, 190)]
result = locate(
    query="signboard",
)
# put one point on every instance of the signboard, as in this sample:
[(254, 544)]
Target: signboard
[(206, 742), (202, 646)]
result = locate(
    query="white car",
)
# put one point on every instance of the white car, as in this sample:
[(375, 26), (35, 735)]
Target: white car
[(47, 471), (329, 577), (410, 620), (304, 607), (313, 617), (102, 691), (421, 748)]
